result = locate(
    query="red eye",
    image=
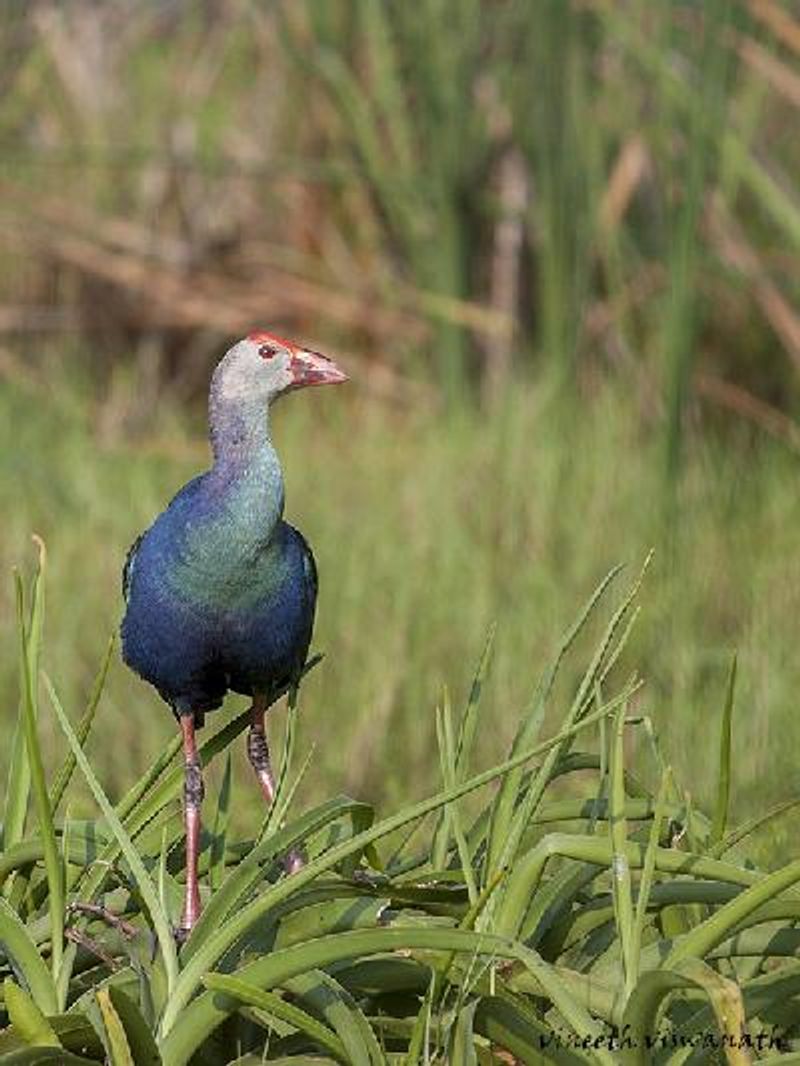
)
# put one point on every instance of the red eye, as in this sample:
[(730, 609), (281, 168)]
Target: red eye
[(267, 351)]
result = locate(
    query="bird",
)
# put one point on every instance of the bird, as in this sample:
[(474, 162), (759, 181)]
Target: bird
[(220, 592)]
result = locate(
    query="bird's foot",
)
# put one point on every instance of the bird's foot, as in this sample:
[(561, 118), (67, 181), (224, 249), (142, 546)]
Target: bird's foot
[(295, 860), (92, 946), (180, 934), (96, 910)]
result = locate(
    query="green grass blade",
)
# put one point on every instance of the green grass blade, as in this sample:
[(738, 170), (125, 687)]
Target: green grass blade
[(526, 876), (447, 754), (469, 719), (80, 850), (278, 1007), (466, 739), (19, 778), (156, 790), (504, 804), (163, 875), (283, 792), (648, 869), (621, 884), (241, 878), (521, 818), (203, 1014), (219, 829), (418, 1042), (702, 938), (19, 946), (752, 825), (724, 781), (64, 775), (73, 1030), (31, 645), (143, 881), (30, 637), (218, 941), (551, 900)]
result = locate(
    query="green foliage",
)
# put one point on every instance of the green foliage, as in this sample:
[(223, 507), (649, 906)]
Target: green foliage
[(426, 529), (378, 951), (463, 189)]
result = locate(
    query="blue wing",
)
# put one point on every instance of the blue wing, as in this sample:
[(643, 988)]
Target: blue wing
[(130, 563)]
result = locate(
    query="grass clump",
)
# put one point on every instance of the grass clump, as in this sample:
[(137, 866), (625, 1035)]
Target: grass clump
[(621, 924), (426, 527)]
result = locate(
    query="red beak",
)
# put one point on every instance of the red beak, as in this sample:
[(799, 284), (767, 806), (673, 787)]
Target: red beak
[(311, 368)]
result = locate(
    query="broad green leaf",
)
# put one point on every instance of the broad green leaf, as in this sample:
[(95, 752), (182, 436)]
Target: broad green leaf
[(116, 1041), (204, 1013), (701, 939), (74, 1031), (275, 1005), (18, 946), (462, 1040), (527, 874), (217, 942), (40, 1056), (642, 1010), (323, 994), (139, 1038), (332, 916), (29, 1022), (507, 1024), (242, 877)]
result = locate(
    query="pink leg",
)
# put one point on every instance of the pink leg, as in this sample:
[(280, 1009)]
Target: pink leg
[(258, 754), (258, 751), (192, 800)]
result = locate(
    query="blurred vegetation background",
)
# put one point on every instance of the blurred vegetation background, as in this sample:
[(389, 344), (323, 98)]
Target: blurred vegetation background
[(557, 245)]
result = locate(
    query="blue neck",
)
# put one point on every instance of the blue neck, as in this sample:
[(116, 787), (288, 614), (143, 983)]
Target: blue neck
[(246, 468)]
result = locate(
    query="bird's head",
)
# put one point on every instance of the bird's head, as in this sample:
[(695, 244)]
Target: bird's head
[(263, 366)]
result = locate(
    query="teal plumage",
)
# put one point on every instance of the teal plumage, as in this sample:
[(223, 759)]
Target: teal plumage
[(220, 590)]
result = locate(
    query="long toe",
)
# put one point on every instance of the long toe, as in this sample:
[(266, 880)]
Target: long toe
[(294, 861), (181, 934)]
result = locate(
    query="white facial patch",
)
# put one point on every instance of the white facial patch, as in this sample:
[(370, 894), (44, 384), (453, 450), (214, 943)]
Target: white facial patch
[(244, 375)]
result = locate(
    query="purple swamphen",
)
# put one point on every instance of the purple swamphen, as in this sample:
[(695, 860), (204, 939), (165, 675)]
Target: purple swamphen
[(220, 591)]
